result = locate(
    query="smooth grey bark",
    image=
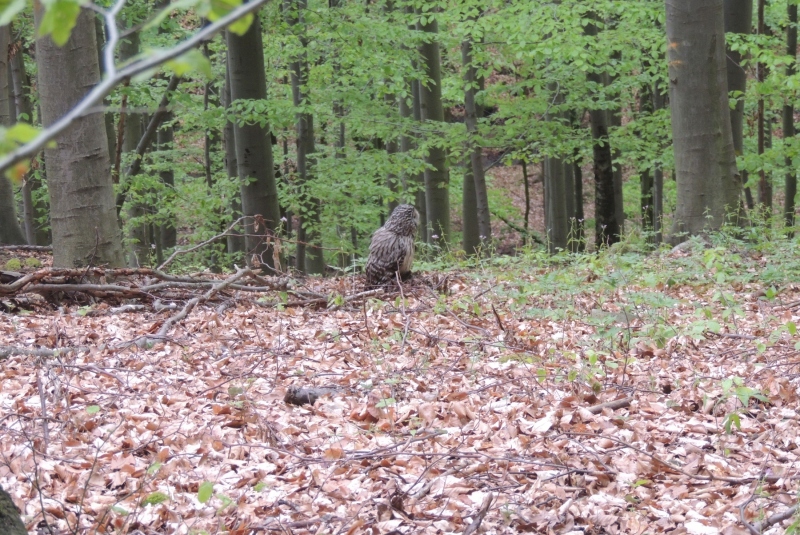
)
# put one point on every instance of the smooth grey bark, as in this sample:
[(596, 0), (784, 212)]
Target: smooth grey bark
[(164, 137), (790, 180), (556, 219), (100, 33), (33, 211), (138, 234), (235, 242), (607, 229), (615, 120), (708, 183), (472, 114), (764, 181), (10, 231), (392, 148), (738, 19), (437, 191), (310, 258), (82, 209), (253, 147), (418, 179)]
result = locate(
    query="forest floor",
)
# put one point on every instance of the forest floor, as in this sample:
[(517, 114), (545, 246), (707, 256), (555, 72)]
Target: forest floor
[(613, 393)]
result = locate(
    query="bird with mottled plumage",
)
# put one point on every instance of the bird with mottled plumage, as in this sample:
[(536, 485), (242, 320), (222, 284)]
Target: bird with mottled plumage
[(392, 247)]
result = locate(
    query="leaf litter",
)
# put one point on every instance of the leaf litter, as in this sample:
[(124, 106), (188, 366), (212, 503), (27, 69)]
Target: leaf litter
[(526, 397)]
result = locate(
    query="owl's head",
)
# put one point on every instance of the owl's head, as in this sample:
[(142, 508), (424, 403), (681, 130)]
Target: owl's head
[(403, 221)]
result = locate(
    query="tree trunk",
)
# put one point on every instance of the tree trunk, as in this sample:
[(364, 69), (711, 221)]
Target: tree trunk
[(472, 114), (34, 211), (607, 230), (167, 231), (82, 208), (235, 243), (764, 181), (392, 183), (100, 33), (310, 257), (437, 179), (10, 231), (738, 19), (10, 522), (138, 234), (418, 179), (253, 146), (788, 121), (708, 183)]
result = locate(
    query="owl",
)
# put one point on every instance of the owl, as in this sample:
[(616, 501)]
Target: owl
[(392, 247)]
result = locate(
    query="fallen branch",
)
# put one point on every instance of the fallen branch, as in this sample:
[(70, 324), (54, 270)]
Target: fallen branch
[(7, 351), (162, 332), (613, 405), (476, 523)]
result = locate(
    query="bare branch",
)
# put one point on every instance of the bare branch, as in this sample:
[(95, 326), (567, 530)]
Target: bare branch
[(97, 94)]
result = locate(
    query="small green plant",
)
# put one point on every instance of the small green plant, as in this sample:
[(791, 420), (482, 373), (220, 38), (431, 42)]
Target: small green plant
[(32, 262), (13, 264), (155, 498)]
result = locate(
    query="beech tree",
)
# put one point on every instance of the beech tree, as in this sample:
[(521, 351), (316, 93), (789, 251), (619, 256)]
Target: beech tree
[(82, 203), (709, 185), (253, 147), (437, 177)]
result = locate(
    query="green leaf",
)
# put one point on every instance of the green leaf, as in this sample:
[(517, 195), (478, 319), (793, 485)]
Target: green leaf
[(204, 492), (59, 19), (93, 409), (155, 498), (241, 26), (22, 133), (9, 9), (119, 510), (153, 468), (191, 62)]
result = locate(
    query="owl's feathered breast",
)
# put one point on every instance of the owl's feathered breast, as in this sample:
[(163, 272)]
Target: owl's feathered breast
[(392, 247)]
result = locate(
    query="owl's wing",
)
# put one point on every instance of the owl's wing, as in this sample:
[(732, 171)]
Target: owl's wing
[(387, 252)]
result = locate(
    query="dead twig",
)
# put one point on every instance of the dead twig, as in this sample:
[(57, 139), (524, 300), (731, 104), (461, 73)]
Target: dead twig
[(476, 522)]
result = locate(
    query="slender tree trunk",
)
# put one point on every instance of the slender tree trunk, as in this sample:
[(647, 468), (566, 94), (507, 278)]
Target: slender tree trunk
[(235, 243), (646, 173), (10, 231), (472, 113), (577, 239), (615, 120), (738, 19), (418, 179), (82, 209), (138, 233), (168, 233), (310, 257), (527, 187), (253, 147), (34, 211), (709, 186), (764, 182), (788, 121), (392, 148), (607, 230), (437, 191)]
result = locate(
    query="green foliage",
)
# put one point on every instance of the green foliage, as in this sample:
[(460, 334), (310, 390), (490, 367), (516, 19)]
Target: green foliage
[(13, 264), (155, 498)]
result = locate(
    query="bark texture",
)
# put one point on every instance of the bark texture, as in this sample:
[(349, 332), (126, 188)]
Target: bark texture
[(33, 211), (480, 218), (10, 522), (10, 231), (235, 243), (607, 229), (82, 205), (437, 179), (790, 180), (253, 148), (708, 183), (309, 250)]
